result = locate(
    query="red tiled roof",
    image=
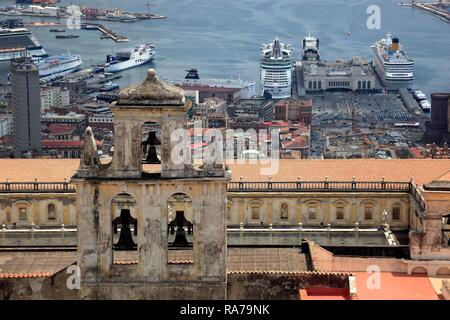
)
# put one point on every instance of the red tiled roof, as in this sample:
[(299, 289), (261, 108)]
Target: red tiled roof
[(296, 143), (25, 275), (422, 170), (56, 128), (416, 152), (69, 144)]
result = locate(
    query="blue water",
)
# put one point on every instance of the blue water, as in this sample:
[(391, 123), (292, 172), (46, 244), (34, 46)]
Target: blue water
[(222, 39)]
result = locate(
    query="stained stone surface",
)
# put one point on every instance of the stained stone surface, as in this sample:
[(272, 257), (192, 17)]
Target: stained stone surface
[(151, 92)]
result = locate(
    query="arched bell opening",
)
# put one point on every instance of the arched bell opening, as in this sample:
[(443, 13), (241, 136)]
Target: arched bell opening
[(180, 228), (125, 229), (151, 143)]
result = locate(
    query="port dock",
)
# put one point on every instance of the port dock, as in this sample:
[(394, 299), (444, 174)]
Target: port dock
[(107, 33), (436, 9)]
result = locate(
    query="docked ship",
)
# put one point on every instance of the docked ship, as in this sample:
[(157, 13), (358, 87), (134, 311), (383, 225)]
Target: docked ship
[(19, 43), (130, 58), (57, 66), (227, 89), (67, 36), (310, 49), (276, 70), (391, 63)]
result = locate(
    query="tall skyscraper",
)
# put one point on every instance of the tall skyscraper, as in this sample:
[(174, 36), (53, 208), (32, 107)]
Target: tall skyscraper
[(26, 102)]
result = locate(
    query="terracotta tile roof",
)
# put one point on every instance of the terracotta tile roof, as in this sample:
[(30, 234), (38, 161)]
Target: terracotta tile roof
[(25, 275), (396, 286), (56, 128), (240, 260), (34, 264), (445, 177), (422, 170), (68, 144)]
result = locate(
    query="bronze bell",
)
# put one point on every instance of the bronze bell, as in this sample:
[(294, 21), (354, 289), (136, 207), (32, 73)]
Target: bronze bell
[(125, 239)]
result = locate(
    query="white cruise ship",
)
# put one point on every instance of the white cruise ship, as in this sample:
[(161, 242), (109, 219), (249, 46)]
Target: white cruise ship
[(57, 66), (393, 66), (19, 43), (276, 70), (130, 58)]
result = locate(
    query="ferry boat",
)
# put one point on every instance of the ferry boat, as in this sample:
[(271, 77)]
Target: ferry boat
[(130, 58), (19, 43), (310, 49), (57, 66), (276, 70), (392, 64), (193, 82)]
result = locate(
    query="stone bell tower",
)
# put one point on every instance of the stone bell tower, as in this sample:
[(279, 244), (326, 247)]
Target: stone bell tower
[(150, 231)]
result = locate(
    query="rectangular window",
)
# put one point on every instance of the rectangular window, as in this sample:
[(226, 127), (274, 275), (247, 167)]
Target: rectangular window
[(23, 214), (368, 213), (312, 213), (396, 213), (255, 213), (339, 213)]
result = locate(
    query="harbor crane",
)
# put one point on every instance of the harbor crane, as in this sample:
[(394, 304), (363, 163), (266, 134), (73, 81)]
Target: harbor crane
[(149, 5)]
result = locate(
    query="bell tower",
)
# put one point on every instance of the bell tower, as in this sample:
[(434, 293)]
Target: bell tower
[(150, 226)]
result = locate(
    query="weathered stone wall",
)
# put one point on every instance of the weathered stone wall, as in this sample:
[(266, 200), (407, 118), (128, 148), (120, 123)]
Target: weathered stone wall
[(101, 277), (280, 286)]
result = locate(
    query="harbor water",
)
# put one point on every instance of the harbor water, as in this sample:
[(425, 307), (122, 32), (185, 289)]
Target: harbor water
[(222, 39)]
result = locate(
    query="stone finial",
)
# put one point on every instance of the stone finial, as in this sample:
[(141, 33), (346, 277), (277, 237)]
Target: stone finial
[(151, 92), (89, 156)]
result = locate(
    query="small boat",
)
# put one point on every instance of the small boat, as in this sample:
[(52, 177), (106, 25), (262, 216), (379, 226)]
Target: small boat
[(109, 86), (69, 36), (57, 30)]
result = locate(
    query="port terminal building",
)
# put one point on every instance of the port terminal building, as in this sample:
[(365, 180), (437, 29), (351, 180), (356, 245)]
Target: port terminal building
[(355, 75)]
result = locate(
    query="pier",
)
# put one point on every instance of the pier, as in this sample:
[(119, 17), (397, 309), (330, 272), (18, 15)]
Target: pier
[(107, 33), (432, 8)]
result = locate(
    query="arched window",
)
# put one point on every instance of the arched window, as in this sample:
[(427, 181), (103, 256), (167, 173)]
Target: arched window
[(320, 85), (309, 85), (315, 84), (284, 211), (51, 212), (359, 85), (368, 85), (396, 211)]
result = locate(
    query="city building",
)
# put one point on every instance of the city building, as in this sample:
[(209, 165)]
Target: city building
[(174, 230), (438, 129), (6, 125), (276, 70), (26, 105), (54, 97), (71, 118), (294, 110), (353, 75)]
